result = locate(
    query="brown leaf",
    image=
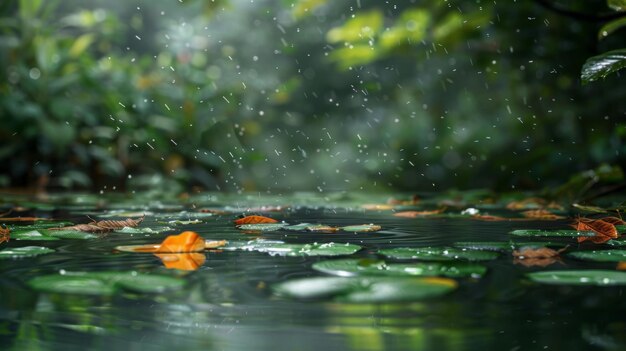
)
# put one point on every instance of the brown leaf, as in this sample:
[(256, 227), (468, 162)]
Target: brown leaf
[(103, 226), (613, 220), (413, 201), (214, 244), (322, 228), (254, 220), (5, 234), (533, 253), (541, 214), (605, 231), (490, 218), (413, 214), (537, 262), (621, 266), (525, 203), (377, 207)]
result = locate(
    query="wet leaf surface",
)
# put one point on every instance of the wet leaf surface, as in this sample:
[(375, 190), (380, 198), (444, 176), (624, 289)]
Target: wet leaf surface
[(254, 220), (354, 267), (604, 231), (600, 255), (502, 245), (552, 233), (438, 254), (280, 248), (25, 251), (580, 277), (365, 289)]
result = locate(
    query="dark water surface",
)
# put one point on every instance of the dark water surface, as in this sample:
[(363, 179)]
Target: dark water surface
[(228, 304)]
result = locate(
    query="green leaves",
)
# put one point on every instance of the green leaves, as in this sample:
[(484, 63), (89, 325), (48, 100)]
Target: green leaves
[(26, 251), (105, 283), (580, 277), (438, 254), (617, 5), (276, 247), (45, 234), (501, 245), (365, 289), (357, 267), (552, 233), (602, 65), (602, 256)]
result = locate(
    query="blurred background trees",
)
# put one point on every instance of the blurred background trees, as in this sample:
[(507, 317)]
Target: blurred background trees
[(305, 94)]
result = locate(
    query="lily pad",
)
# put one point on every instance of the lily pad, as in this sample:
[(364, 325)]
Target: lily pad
[(275, 247), (503, 245), (143, 230), (621, 228), (616, 242), (31, 235), (105, 283), (365, 289), (580, 277), (361, 228), (553, 233), (299, 227), (354, 267), (183, 222), (71, 234), (46, 234), (600, 255), (26, 251), (263, 227), (438, 254)]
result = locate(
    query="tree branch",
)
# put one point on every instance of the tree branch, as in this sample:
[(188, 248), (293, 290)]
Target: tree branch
[(581, 16)]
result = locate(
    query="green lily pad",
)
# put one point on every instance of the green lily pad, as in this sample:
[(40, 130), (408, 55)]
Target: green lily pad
[(361, 228), (616, 242), (263, 227), (47, 234), (353, 267), (555, 233), (503, 245), (600, 255), (275, 247), (621, 228), (26, 251), (41, 225), (580, 277), (105, 283), (71, 234), (299, 227), (365, 289), (438, 254), (31, 235), (183, 222)]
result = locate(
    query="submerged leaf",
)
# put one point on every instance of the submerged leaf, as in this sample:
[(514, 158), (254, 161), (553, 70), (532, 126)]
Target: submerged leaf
[(182, 261), (365, 289), (533, 253), (254, 220)]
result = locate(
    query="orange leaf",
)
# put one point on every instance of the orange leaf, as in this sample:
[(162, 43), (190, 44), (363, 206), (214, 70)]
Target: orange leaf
[(542, 252), (413, 214), (183, 242), (254, 220), (613, 220), (490, 218), (541, 214), (605, 231), (182, 261), (23, 219), (5, 234), (621, 266)]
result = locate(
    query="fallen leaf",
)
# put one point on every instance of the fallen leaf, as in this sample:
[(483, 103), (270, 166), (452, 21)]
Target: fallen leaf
[(214, 244), (537, 262), (490, 218), (5, 234), (322, 228), (103, 226), (212, 210), (377, 207), (254, 220), (413, 214), (413, 201), (541, 214), (613, 220), (182, 261), (531, 202), (605, 231), (183, 242), (621, 266), (535, 253)]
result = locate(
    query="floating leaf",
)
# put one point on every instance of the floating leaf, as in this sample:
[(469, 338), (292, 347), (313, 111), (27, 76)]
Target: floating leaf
[(102, 226), (361, 228), (182, 261), (365, 289), (322, 228), (32, 235), (154, 248), (275, 247), (47, 234), (604, 231), (531, 203), (534, 253), (26, 251), (145, 230), (602, 65), (183, 222), (541, 214), (5, 234), (438, 254), (104, 283), (377, 207), (43, 225), (184, 242), (580, 277), (491, 218), (353, 267), (413, 214), (552, 233), (23, 219), (600, 255), (263, 227), (254, 220), (502, 245), (616, 242), (613, 220), (299, 227)]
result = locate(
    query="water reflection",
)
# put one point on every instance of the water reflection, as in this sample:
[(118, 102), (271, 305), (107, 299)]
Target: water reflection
[(182, 261)]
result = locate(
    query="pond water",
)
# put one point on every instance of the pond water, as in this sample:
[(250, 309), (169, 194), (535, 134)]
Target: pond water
[(228, 303)]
